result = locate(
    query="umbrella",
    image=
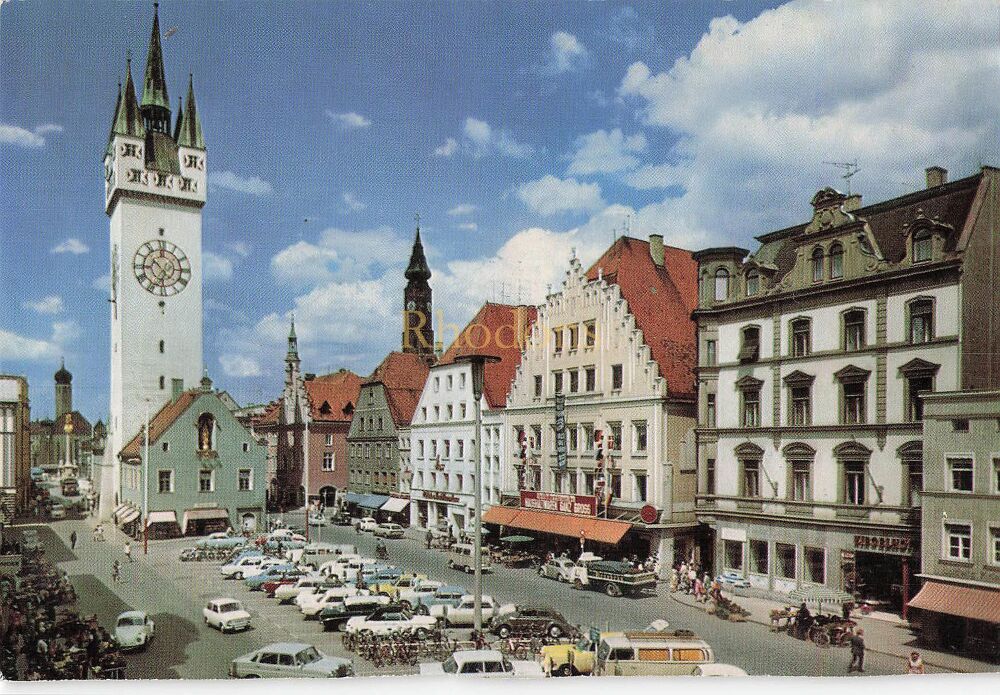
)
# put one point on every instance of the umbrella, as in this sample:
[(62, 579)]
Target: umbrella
[(820, 595), (517, 539)]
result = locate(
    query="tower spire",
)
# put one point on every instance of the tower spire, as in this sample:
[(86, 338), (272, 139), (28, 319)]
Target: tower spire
[(418, 268), (188, 124), (155, 101), (128, 119), (293, 344)]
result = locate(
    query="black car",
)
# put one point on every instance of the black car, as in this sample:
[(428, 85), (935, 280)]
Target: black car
[(335, 616), (532, 621)]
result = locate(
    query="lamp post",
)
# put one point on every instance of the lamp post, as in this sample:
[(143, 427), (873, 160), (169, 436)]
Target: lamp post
[(478, 364), (145, 485), (68, 429)]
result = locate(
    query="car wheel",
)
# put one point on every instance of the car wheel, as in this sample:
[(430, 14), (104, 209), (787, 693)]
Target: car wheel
[(577, 583), (612, 589), (503, 632), (555, 632), (421, 633), (565, 670), (405, 604), (238, 576), (451, 564), (251, 675), (541, 571)]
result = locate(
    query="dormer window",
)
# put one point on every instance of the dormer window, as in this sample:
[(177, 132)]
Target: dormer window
[(753, 283), (721, 284), (816, 264), (750, 350), (922, 245), (836, 261)]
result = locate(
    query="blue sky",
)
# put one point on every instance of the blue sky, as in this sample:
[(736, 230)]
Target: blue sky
[(518, 131)]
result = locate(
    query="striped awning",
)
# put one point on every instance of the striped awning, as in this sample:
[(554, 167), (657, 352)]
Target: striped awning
[(128, 516), (976, 603), (589, 528), (168, 517)]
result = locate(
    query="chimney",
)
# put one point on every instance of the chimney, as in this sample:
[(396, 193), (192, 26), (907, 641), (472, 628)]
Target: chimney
[(656, 248), (176, 388), (936, 176), (852, 202), (309, 376)]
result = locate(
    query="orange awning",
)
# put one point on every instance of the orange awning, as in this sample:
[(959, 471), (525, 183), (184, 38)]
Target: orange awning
[(963, 601), (600, 530), (500, 515)]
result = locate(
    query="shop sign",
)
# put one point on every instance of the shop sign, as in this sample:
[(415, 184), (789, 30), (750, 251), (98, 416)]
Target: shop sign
[(649, 514), (892, 545), (582, 505), (561, 431), (440, 496), (10, 564)]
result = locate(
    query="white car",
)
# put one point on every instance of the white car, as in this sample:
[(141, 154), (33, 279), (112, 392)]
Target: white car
[(285, 534), (424, 588), (263, 566), (388, 531), (310, 605), (487, 663), (558, 568), (226, 614), (388, 619), (289, 660), (238, 569), (368, 524), (133, 630), (57, 512), (288, 592), (464, 612)]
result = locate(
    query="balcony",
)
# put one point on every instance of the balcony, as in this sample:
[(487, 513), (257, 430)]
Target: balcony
[(908, 517)]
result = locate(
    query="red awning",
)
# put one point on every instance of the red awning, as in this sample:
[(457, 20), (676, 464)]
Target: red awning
[(500, 515), (599, 530), (964, 601)]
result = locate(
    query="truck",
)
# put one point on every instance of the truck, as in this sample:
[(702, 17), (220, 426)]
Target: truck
[(612, 577)]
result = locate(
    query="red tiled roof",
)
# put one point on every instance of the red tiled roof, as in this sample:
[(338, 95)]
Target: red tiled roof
[(402, 375), (512, 324), (160, 423), (970, 602), (661, 299), (330, 394)]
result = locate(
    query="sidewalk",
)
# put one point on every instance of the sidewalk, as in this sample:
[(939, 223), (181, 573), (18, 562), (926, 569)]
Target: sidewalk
[(884, 633)]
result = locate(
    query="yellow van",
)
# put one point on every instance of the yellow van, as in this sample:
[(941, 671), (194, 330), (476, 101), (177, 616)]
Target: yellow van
[(651, 654)]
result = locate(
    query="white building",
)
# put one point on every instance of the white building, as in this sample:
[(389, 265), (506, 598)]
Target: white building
[(617, 342), (442, 432), (814, 352)]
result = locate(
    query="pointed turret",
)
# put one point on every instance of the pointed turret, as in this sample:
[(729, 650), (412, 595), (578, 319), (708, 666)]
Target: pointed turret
[(188, 124), (114, 120), (128, 118), (180, 118), (155, 102), (418, 268), (293, 344)]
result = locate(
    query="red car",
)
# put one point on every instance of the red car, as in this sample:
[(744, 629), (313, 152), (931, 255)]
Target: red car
[(271, 586)]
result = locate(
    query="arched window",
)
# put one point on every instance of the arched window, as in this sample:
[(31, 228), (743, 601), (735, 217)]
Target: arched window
[(753, 283), (721, 284), (206, 432), (817, 264), (836, 261), (922, 245)]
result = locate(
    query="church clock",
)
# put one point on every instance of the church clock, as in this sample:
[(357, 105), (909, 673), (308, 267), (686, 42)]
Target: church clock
[(162, 268)]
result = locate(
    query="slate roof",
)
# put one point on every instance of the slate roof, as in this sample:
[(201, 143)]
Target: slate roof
[(661, 299), (402, 375), (492, 317)]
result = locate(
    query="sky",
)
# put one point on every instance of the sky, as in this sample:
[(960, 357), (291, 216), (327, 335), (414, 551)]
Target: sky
[(519, 132)]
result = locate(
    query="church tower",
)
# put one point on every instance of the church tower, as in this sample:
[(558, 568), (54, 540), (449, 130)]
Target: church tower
[(155, 186), (418, 315), (64, 391)]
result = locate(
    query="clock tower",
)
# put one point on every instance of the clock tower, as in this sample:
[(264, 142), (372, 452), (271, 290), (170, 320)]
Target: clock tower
[(155, 185), (418, 316)]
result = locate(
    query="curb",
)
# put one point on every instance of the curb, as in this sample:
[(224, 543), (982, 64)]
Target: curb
[(867, 648)]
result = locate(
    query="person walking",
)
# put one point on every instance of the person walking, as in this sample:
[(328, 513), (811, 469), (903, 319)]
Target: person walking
[(116, 571), (128, 551), (428, 537), (915, 665), (72, 541), (857, 652)]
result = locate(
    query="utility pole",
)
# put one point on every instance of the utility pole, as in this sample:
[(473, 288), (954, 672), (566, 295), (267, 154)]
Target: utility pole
[(145, 486)]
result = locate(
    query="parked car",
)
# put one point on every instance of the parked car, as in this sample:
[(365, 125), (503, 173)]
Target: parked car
[(57, 511), (287, 592), (733, 580), (532, 621), (226, 614), (335, 616), (464, 612), (310, 605), (559, 568), (379, 573), (487, 663), (388, 619), (612, 577), (271, 586), (263, 566), (342, 519), (285, 534), (285, 544), (392, 586), (220, 542), (388, 530), (448, 595), (411, 596), (133, 630), (368, 523), (289, 660), (461, 556), (236, 569), (569, 659), (256, 582)]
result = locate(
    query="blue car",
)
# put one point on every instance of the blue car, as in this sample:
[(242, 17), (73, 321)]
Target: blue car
[(276, 572), (221, 543), (381, 574), (732, 580), (448, 595)]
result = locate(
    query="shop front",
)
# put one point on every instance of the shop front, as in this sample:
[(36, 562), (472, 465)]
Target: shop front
[(439, 510), (202, 522), (959, 617), (162, 525), (364, 504), (396, 510)]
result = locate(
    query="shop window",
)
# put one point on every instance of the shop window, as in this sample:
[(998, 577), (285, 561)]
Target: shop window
[(958, 542), (591, 378), (710, 477), (733, 555), (854, 482), (836, 261), (801, 480), (758, 557), (815, 565), (751, 478), (721, 284), (960, 474), (784, 560), (710, 410), (640, 436), (854, 330), (753, 283), (922, 246), (921, 316), (816, 264), (801, 338), (750, 345), (617, 377)]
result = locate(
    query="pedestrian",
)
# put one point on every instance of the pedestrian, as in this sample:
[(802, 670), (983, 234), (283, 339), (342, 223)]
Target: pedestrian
[(128, 551), (915, 665), (357, 528), (428, 538), (858, 652), (116, 571), (692, 575), (845, 610), (72, 541), (674, 579)]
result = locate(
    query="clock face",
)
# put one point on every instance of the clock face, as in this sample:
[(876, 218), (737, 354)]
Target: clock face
[(162, 268)]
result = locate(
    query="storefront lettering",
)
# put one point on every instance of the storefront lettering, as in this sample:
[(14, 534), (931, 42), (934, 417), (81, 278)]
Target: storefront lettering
[(439, 496), (581, 505), (884, 544)]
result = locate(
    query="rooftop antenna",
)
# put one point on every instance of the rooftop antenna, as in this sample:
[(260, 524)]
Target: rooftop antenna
[(628, 225), (850, 169)]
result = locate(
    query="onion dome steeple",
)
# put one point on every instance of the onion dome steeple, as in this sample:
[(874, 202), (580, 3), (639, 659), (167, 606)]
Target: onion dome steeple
[(63, 376), (155, 102), (418, 268)]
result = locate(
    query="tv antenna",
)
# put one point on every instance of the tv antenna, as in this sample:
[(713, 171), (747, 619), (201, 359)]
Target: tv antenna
[(850, 169)]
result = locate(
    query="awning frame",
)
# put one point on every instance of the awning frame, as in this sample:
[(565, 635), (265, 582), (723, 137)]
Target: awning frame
[(395, 505)]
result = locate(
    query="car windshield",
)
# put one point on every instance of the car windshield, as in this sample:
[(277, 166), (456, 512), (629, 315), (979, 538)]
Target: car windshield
[(130, 620), (308, 655), (450, 665), (230, 607)]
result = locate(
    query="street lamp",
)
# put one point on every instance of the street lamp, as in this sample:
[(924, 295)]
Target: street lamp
[(478, 364), (145, 485)]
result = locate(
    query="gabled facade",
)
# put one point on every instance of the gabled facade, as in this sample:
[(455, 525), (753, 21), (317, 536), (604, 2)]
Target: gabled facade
[(616, 343), (15, 447), (814, 351)]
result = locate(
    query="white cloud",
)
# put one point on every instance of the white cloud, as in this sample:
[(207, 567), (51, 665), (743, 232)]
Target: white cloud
[(462, 209), (239, 366), (20, 348), (240, 248), (603, 152), (22, 137), (251, 185), (757, 107), (337, 255), (566, 53), (352, 203), (447, 148), (64, 332), (102, 283), (52, 304), (71, 245), (467, 226), (216, 267), (550, 195), (348, 120)]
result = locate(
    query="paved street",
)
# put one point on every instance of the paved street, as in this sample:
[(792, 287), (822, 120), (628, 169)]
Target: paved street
[(173, 592)]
